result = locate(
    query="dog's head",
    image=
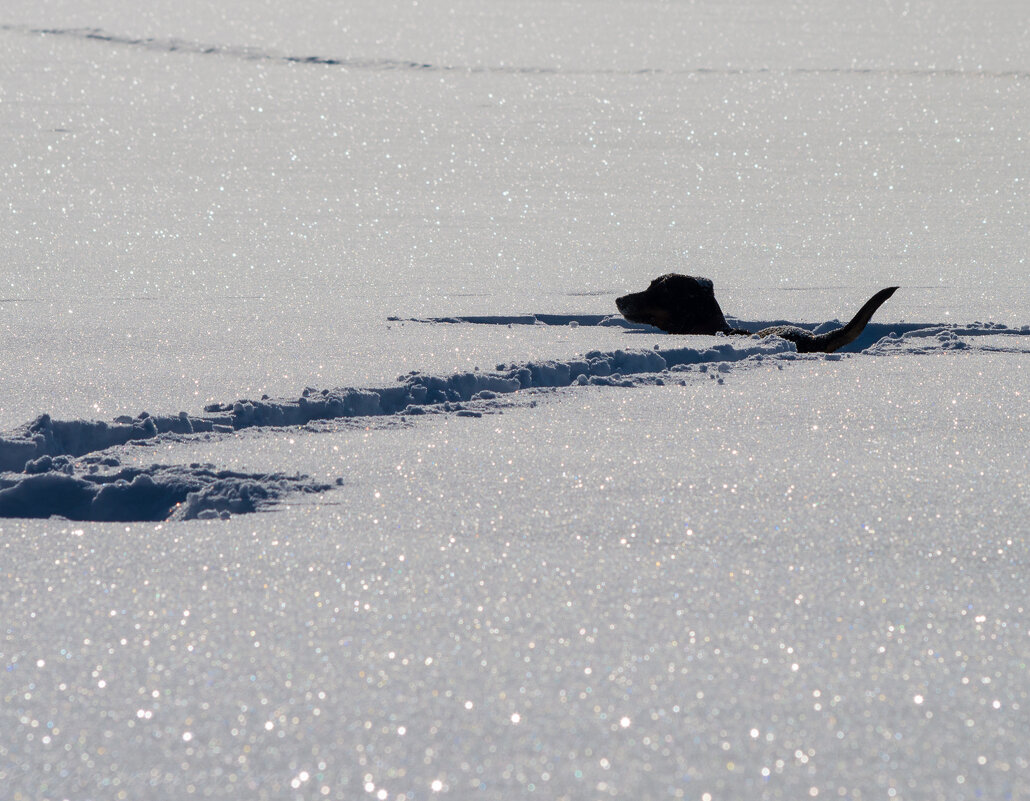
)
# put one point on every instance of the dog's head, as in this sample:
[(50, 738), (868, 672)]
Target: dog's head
[(679, 304)]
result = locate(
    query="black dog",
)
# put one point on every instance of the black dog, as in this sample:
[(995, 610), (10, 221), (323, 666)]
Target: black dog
[(683, 304)]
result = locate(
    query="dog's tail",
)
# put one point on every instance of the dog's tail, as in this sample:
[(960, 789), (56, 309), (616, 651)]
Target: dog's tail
[(834, 340)]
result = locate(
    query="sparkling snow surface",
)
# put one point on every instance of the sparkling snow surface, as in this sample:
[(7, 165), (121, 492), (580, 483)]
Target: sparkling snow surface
[(602, 561)]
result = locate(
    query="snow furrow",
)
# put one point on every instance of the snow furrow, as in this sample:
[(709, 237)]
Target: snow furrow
[(46, 436), (873, 333), (43, 476), (175, 45), (415, 391)]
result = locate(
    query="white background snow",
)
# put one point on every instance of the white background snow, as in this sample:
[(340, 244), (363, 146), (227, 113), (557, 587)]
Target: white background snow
[(771, 579)]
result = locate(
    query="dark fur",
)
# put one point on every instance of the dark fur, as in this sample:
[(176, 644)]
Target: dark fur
[(683, 304), (679, 304)]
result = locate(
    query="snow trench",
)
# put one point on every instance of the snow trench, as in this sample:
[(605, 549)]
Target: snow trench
[(874, 332), (414, 393), (42, 474)]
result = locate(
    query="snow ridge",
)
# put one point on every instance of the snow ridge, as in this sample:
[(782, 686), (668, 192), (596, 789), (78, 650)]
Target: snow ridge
[(934, 339), (42, 475), (415, 391)]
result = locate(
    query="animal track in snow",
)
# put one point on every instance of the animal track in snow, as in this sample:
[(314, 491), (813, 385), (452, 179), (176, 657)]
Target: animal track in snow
[(44, 474)]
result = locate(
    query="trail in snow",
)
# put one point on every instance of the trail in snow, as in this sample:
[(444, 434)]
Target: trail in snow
[(42, 478), (173, 45), (413, 393), (873, 333)]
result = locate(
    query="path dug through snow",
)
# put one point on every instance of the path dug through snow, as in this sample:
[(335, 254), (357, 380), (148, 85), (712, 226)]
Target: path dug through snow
[(44, 480), (798, 581)]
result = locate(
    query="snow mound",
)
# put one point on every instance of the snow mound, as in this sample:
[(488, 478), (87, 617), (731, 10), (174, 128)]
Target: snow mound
[(935, 339), (57, 486)]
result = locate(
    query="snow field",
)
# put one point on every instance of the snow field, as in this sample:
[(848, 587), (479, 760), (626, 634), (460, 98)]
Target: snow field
[(747, 582), (685, 611)]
